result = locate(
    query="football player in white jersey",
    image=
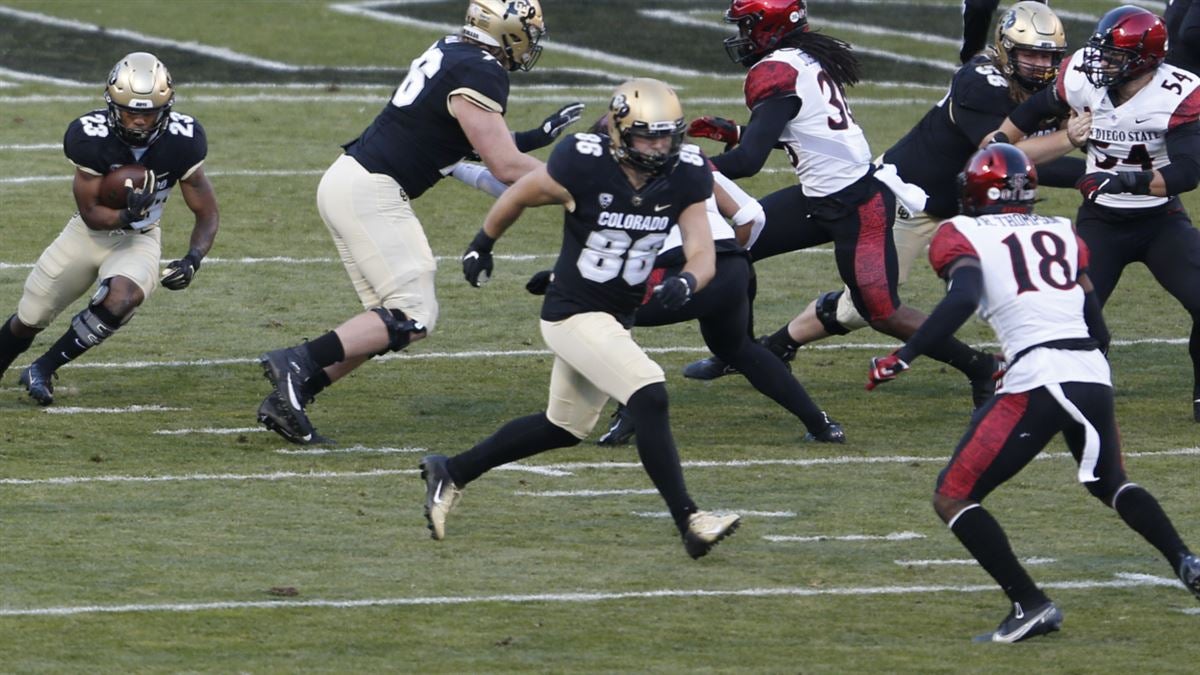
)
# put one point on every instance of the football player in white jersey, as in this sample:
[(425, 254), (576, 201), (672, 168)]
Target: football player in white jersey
[(795, 92), (1027, 275), (1143, 150)]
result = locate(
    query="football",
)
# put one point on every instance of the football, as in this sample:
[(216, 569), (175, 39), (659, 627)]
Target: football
[(113, 184)]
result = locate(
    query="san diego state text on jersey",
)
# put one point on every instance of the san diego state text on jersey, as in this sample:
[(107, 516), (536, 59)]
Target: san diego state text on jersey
[(611, 239), (415, 139)]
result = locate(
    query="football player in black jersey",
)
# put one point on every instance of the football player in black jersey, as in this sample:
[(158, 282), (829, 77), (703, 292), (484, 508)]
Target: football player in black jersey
[(1028, 45), (449, 106), (1183, 34), (119, 247), (622, 195)]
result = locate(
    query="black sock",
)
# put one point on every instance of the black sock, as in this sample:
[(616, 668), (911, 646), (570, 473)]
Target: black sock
[(315, 385), (11, 346), (518, 439), (71, 345), (782, 338), (985, 539), (1142, 513), (326, 350), (656, 449), (769, 375), (976, 365), (1194, 352)]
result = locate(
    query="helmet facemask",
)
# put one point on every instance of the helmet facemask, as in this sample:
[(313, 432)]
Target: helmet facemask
[(514, 27), (139, 83)]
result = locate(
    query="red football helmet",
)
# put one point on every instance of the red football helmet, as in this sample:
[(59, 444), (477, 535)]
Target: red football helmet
[(1128, 42), (998, 179), (762, 24)]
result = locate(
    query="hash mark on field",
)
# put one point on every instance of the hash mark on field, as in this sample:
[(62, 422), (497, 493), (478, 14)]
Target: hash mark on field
[(892, 536), (1122, 580), (354, 449), (180, 478), (752, 514), (68, 410), (966, 561), (585, 493), (208, 430)]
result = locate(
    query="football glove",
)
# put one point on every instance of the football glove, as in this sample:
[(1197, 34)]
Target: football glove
[(567, 115), (178, 273), (884, 369), (674, 292), (1098, 183), (539, 282), (139, 200), (716, 128), (477, 262)]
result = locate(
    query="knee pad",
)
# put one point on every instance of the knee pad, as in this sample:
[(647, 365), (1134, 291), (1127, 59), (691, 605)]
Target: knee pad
[(97, 301), (95, 324), (650, 399), (827, 304), (400, 328)]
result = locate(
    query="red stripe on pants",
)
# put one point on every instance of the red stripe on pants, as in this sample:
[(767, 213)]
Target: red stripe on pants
[(980, 451), (870, 268)]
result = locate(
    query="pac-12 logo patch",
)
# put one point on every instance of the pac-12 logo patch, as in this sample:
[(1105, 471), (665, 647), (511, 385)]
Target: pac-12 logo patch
[(605, 200)]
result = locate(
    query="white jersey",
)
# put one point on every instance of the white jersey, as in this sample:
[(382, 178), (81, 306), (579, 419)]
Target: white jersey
[(716, 222), (1131, 136), (826, 147), (1030, 297)]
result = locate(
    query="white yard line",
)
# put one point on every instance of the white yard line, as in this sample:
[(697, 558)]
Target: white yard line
[(740, 512), (208, 430), (1121, 580), (891, 536), (354, 450), (965, 561), (67, 410), (543, 469)]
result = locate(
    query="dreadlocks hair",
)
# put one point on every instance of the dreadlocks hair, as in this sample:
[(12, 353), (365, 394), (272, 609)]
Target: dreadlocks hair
[(835, 56)]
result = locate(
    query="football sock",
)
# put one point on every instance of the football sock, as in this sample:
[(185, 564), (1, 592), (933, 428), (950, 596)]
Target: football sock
[(985, 539), (656, 449), (973, 363), (769, 375), (326, 350), (783, 339), (11, 346), (88, 329), (315, 385), (1141, 512), (518, 439), (1194, 352)]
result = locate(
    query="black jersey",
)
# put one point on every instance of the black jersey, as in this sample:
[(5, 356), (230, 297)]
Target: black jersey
[(1181, 19), (932, 153), (92, 146), (415, 139), (611, 239)]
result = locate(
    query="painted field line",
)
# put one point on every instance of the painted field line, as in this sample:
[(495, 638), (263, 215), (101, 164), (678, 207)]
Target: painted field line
[(966, 561), (585, 493), (208, 430), (751, 514), (352, 450), (891, 536), (67, 410), (1121, 581), (541, 469), (31, 146)]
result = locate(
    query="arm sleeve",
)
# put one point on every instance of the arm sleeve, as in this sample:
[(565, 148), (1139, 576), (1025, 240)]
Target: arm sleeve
[(1063, 172), (531, 139), (977, 17), (1183, 147), (758, 137), (962, 297), (1189, 31), (1094, 318), (1038, 107)]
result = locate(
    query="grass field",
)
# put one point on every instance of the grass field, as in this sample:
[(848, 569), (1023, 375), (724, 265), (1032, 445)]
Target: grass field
[(149, 525)]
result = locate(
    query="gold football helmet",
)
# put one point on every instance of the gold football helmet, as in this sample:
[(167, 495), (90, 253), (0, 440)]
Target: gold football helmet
[(1033, 27), (513, 26), (650, 109), (139, 83)]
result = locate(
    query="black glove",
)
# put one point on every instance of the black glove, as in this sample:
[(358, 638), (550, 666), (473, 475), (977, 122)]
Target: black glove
[(674, 292), (477, 261), (567, 115), (138, 200), (1099, 183), (178, 273), (539, 282)]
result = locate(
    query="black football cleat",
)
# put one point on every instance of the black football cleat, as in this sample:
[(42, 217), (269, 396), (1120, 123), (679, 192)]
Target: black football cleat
[(620, 429), (290, 423), (1021, 624), (708, 369), (786, 353), (36, 381), (832, 433), (1189, 574)]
